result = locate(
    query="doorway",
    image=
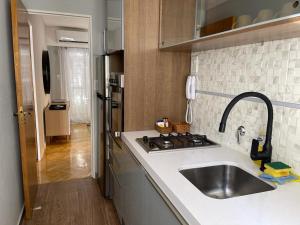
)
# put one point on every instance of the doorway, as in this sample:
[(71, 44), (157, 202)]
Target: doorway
[(63, 89)]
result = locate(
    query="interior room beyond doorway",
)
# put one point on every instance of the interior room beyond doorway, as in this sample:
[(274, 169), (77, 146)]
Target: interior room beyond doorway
[(62, 83), (67, 159)]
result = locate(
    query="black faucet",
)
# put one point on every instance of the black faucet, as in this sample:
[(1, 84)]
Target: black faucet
[(266, 154)]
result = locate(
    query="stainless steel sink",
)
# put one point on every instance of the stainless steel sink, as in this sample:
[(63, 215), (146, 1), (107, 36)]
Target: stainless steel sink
[(225, 181)]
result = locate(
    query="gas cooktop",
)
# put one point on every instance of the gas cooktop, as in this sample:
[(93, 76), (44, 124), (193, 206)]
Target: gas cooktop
[(174, 141)]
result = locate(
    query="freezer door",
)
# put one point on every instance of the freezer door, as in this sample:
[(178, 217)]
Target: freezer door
[(103, 146), (103, 124)]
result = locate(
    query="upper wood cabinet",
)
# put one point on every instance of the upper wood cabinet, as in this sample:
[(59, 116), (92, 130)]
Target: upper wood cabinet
[(154, 79), (190, 20)]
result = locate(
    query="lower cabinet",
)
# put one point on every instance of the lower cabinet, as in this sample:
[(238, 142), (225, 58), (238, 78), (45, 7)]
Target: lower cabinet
[(137, 198), (158, 211)]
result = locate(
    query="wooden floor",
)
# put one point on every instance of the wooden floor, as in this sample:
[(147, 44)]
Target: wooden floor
[(67, 159), (74, 202)]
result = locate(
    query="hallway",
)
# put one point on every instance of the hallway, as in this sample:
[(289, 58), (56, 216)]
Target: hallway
[(73, 202), (66, 194), (67, 159)]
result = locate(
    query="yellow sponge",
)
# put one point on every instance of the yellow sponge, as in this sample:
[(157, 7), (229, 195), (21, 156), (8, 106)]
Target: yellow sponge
[(275, 173), (277, 169)]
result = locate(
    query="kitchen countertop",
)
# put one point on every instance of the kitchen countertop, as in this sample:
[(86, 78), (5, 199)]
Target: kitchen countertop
[(278, 207)]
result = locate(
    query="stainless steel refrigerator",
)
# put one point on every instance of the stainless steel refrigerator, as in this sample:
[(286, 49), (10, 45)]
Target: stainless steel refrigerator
[(110, 111)]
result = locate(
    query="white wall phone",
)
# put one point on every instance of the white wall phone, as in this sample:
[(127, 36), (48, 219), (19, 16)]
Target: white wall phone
[(190, 95), (191, 87)]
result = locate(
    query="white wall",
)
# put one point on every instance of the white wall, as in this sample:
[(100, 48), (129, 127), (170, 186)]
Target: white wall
[(39, 40), (114, 8), (272, 68), (11, 199), (95, 8)]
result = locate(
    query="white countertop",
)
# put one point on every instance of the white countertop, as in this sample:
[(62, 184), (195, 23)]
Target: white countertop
[(278, 207)]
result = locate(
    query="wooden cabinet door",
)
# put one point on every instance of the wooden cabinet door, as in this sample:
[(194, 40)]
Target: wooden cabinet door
[(25, 102)]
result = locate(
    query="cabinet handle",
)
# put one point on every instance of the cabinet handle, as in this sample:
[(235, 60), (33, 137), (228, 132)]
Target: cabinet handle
[(166, 200)]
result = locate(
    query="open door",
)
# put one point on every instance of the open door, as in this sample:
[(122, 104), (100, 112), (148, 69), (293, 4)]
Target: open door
[(25, 102)]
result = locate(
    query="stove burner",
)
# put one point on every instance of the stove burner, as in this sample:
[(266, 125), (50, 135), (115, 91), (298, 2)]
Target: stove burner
[(166, 144), (197, 139), (174, 141)]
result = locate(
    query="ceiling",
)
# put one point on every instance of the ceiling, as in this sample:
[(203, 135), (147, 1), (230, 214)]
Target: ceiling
[(66, 21), (83, 23)]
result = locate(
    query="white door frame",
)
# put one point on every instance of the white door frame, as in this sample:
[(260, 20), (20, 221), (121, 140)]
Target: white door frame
[(93, 93)]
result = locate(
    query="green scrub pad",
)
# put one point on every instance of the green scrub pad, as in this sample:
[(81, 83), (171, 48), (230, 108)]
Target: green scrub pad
[(277, 166)]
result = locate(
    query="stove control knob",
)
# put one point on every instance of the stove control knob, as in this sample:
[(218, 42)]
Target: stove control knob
[(145, 139)]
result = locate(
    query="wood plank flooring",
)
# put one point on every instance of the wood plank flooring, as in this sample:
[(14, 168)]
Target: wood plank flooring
[(67, 159), (73, 202)]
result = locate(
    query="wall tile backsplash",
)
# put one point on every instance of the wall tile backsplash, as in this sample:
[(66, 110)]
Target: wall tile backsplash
[(272, 68)]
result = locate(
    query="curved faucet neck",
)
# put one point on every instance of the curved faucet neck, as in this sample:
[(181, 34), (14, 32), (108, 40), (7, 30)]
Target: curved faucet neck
[(246, 95)]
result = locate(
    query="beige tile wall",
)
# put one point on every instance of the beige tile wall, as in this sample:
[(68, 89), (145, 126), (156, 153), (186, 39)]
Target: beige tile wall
[(272, 68)]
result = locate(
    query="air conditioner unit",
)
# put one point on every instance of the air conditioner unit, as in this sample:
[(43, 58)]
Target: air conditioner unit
[(72, 36)]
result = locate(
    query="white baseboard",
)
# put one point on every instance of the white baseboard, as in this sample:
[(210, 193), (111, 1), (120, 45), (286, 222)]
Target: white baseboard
[(21, 216)]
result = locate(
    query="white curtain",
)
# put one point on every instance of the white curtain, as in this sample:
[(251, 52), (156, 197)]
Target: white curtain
[(75, 82)]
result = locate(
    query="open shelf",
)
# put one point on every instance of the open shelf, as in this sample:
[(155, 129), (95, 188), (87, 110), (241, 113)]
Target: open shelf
[(277, 29)]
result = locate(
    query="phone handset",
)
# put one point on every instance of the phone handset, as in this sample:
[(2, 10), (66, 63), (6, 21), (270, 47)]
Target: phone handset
[(191, 88), (190, 95)]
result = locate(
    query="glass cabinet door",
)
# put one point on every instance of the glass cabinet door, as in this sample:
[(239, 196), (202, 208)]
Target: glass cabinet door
[(179, 23), (114, 25)]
